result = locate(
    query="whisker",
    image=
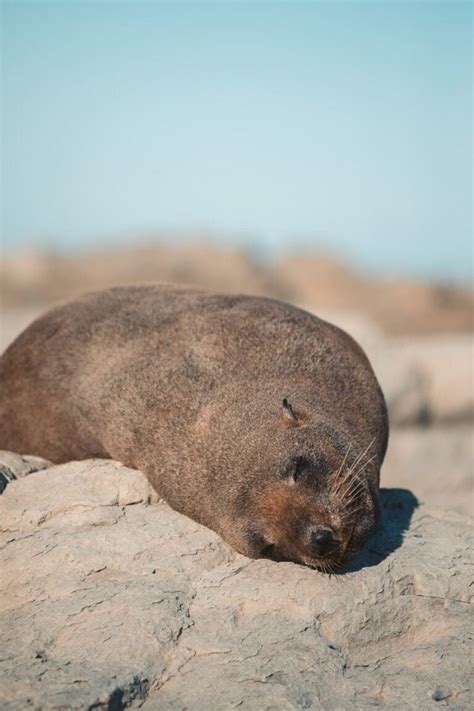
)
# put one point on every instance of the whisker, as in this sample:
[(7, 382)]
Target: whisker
[(366, 464), (349, 514), (339, 482), (351, 487), (336, 484), (355, 488), (345, 458), (333, 571), (350, 511), (356, 478), (362, 455), (348, 478), (350, 505)]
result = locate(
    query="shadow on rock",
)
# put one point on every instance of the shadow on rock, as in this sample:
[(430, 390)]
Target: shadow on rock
[(398, 506)]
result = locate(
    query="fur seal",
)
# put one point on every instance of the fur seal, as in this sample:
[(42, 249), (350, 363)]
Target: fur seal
[(249, 415)]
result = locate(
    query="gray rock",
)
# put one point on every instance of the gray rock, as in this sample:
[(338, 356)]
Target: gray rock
[(15, 466), (435, 463), (427, 379), (110, 599)]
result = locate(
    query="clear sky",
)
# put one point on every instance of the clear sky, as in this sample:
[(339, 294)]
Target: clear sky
[(344, 124)]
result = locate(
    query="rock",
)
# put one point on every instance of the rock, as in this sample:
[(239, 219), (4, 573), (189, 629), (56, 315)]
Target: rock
[(446, 363), (405, 384), (435, 463), (108, 601), (427, 379), (14, 466)]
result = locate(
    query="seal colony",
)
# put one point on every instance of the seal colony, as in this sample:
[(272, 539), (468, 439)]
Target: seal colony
[(253, 417)]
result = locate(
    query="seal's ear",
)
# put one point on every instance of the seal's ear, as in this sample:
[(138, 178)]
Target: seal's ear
[(288, 412)]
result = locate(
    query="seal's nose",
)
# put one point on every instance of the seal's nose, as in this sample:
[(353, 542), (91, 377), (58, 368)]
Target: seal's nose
[(323, 542)]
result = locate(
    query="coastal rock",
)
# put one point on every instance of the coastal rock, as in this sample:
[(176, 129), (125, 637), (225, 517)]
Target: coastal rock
[(14, 466), (427, 380), (446, 364), (111, 599), (435, 463)]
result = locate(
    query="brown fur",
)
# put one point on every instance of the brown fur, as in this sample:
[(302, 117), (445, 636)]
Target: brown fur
[(282, 504), (301, 418), (187, 385)]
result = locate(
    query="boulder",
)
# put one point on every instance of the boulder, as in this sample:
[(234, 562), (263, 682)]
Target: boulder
[(14, 466), (110, 599), (445, 364), (435, 463)]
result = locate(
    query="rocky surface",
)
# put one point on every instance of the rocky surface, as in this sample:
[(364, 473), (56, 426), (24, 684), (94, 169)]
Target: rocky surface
[(15, 466), (435, 463), (111, 599)]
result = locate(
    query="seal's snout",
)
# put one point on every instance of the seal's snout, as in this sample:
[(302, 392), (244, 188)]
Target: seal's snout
[(323, 542)]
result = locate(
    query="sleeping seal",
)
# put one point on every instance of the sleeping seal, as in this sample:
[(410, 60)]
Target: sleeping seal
[(249, 415)]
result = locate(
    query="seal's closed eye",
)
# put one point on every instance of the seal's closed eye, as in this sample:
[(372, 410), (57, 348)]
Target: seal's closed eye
[(293, 470), (313, 469), (298, 467)]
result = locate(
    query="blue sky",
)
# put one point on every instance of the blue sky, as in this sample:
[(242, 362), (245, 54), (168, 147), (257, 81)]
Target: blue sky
[(278, 124)]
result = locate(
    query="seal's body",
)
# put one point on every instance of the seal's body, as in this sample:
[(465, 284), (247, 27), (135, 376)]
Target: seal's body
[(250, 416)]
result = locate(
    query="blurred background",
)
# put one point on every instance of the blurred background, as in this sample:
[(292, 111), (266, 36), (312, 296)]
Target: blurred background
[(318, 152)]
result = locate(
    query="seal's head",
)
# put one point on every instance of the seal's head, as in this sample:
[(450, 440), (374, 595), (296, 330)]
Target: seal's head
[(317, 500)]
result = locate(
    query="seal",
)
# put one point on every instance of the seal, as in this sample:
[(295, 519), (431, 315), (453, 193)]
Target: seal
[(249, 415)]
